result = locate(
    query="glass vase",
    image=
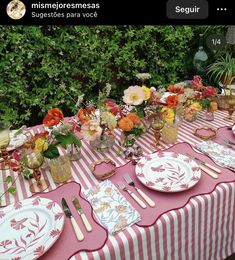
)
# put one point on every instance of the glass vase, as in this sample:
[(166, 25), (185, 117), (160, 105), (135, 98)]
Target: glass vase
[(170, 133), (190, 117), (103, 143), (73, 152), (209, 115), (60, 169)]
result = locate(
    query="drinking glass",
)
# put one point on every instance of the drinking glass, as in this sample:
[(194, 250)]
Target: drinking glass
[(33, 160)]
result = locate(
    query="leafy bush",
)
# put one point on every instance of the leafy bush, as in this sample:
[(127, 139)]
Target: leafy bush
[(49, 66)]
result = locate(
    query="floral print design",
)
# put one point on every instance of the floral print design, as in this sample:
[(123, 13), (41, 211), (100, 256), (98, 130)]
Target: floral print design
[(168, 172), (220, 154), (111, 207), (29, 224)]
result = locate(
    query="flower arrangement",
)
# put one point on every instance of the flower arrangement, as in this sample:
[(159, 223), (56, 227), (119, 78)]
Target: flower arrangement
[(204, 94), (97, 123), (169, 111), (47, 144), (190, 113), (132, 127)]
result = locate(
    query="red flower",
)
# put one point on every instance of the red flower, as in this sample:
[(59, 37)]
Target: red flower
[(197, 82), (50, 120), (172, 101), (56, 113), (209, 91), (53, 117), (113, 107)]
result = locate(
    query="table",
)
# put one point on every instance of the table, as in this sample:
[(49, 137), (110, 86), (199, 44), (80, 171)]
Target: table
[(203, 229)]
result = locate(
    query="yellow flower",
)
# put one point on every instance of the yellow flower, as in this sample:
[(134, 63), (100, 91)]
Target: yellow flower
[(168, 114), (147, 92), (197, 106), (41, 145), (109, 119)]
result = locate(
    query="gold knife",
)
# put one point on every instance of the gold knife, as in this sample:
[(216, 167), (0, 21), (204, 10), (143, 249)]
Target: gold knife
[(69, 215), (81, 213)]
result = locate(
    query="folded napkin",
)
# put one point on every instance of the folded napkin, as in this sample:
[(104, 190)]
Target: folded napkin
[(112, 209), (220, 154)]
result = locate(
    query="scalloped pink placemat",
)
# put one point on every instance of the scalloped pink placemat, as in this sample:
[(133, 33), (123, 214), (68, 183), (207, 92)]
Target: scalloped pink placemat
[(169, 201), (67, 244)]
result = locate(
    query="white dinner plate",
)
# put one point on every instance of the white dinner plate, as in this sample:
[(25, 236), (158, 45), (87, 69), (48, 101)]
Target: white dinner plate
[(29, 228), (168, 172), (16, 140)]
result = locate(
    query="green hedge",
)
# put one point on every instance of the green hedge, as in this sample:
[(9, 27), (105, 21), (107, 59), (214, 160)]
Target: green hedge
[(49, 66)]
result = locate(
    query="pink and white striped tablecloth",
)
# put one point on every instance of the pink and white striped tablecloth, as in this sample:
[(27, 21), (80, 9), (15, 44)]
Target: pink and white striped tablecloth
[(203, 229)]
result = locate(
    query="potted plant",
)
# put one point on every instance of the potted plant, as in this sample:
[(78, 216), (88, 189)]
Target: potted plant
[(223, 69)]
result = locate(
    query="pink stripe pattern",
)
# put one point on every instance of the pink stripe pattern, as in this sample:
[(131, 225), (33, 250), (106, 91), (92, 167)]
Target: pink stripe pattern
[(203, 229)]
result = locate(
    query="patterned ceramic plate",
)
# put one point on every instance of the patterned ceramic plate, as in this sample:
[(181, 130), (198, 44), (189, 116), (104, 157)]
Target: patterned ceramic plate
[(29, 228), (168, 172), (16, 140)]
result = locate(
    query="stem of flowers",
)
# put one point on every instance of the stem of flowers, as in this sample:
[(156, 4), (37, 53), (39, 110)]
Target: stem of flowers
[(10, 189)]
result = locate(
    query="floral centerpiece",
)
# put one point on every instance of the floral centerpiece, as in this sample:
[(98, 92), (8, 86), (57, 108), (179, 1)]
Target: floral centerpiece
[(98, 123), (45, 143), (132, 128), (205, 95)]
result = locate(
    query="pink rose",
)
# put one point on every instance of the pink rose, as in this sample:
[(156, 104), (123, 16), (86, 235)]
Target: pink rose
[(209, 91)]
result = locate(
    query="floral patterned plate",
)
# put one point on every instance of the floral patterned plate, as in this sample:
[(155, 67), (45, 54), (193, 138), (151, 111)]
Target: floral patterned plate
[(29, 228), (168, 172), (16, 140)]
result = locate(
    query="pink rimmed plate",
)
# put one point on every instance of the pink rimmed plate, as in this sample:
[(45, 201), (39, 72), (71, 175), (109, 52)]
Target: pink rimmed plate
[(168, 172), (29, 228)]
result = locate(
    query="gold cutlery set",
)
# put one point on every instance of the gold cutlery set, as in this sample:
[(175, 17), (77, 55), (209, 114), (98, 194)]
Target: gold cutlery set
[(68, 214)]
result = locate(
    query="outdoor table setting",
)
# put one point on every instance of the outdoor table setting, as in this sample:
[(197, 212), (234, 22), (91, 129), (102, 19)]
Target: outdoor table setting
[(108, 184)]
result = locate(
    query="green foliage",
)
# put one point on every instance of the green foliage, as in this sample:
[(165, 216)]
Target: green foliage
[(223, 69), (52, 152), (49, 66), (67, 139)]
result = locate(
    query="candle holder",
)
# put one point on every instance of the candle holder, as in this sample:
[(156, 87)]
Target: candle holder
[(4, 142)]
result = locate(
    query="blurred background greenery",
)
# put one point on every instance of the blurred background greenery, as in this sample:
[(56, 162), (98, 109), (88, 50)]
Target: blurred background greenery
[(49, 66)]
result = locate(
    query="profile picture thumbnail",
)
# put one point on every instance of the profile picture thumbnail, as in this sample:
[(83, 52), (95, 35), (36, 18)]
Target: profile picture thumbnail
[(16, 9)]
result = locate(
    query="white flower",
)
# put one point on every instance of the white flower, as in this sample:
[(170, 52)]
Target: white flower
[(134, 95), (143, 76), (79, 100)]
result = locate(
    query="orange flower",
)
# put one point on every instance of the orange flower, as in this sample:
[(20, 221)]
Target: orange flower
[(133, 117), (126, 124), (53, 117), (49, 120), (56, 113), (171, 88), (41, 135), (172, 101), (81, 114), (213, 106)]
